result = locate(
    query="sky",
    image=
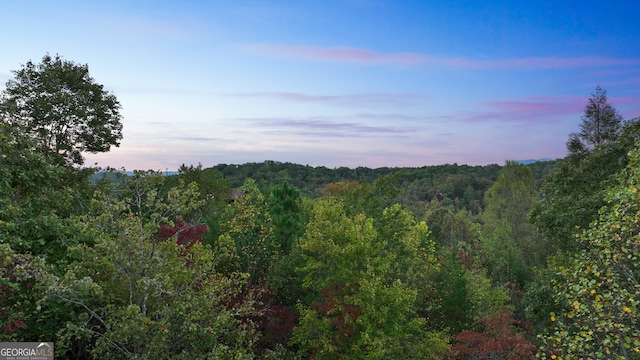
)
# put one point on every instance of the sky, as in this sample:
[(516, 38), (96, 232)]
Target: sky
[(373, 83)]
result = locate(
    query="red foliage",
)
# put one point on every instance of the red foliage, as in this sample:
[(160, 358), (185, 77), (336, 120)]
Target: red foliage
[(274, 322), (464, 258), (188, 234), (501, 337), (12, 302), (14, 325), (330, 307)]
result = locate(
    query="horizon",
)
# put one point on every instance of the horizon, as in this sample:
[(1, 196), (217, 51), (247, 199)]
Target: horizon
[(168, 172), (345, 83)]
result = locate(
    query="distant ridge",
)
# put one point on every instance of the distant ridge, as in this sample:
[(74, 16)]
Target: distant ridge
[(531, 161), (100, 175)]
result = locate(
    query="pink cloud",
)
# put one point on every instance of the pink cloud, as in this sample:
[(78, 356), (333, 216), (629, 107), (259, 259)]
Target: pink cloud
[(357, 55), (624, 82), (544, 110), (335, 54), (528, 110)]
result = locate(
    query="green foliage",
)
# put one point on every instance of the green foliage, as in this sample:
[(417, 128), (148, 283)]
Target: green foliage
[(598, 289), (288, 219), (451, 302), (366, 311), (141, 297), (451, 228), (38, 198), (574, 190), (539, 299), (502, 256), (19, 274), (215, 192), (59, 105), (573, 193), (510, 245), (460, 186), (601, 123), (251, 228), (486, 299)]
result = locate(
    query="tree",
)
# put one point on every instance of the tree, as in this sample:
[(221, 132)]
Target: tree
[(286, 211), (451, 228), (365, 310), (215, 191), (573, 191), (597, 290), (510, 245), (251, 228), (601, 123), (138, 294), (500, 337), (37, 198), (59, 105)]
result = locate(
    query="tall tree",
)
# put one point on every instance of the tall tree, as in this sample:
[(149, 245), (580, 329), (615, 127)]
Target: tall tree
[(597, 290), (601, 123), (37, 198), (59, 105), (139, 294), (286, 211), (251, 228), (510, 244), (366, 310), (573, 191)]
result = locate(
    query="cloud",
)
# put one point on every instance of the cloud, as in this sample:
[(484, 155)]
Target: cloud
[(634, 81), (536, 110), (197, 138), (325, 128), (366, 99), (358, 55)]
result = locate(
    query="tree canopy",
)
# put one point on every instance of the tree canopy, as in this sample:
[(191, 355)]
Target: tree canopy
[(413, 263), (601, 123), (57, 103)]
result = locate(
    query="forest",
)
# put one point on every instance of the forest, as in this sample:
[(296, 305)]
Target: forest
[(277, 260)]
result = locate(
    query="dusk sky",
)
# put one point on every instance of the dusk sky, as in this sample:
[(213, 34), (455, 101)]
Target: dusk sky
[(338, 82)]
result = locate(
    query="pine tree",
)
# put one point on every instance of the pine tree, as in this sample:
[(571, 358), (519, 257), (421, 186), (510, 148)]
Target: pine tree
[(601, 123)]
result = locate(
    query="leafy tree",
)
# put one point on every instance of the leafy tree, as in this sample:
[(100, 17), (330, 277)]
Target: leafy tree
[(214, 190), (451, 306), (19, 295), (459, 292), (38, 198), (289, 211), (601, 123), (59, 105), (286, 212), (251, 228), (370, 198), (486, 298), (510, 244), (573, 193), (140, 295), (499, 337), (450, 228), (365, 312), (598, 289)]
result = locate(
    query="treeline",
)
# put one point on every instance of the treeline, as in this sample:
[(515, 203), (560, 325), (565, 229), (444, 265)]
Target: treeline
[(446, 262), (461, 185)]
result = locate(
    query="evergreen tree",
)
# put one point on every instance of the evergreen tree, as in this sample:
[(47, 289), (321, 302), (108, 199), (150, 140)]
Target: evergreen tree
[(601, 123)]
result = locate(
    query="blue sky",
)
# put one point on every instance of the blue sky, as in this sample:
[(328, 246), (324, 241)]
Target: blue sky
[(338, 82)]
